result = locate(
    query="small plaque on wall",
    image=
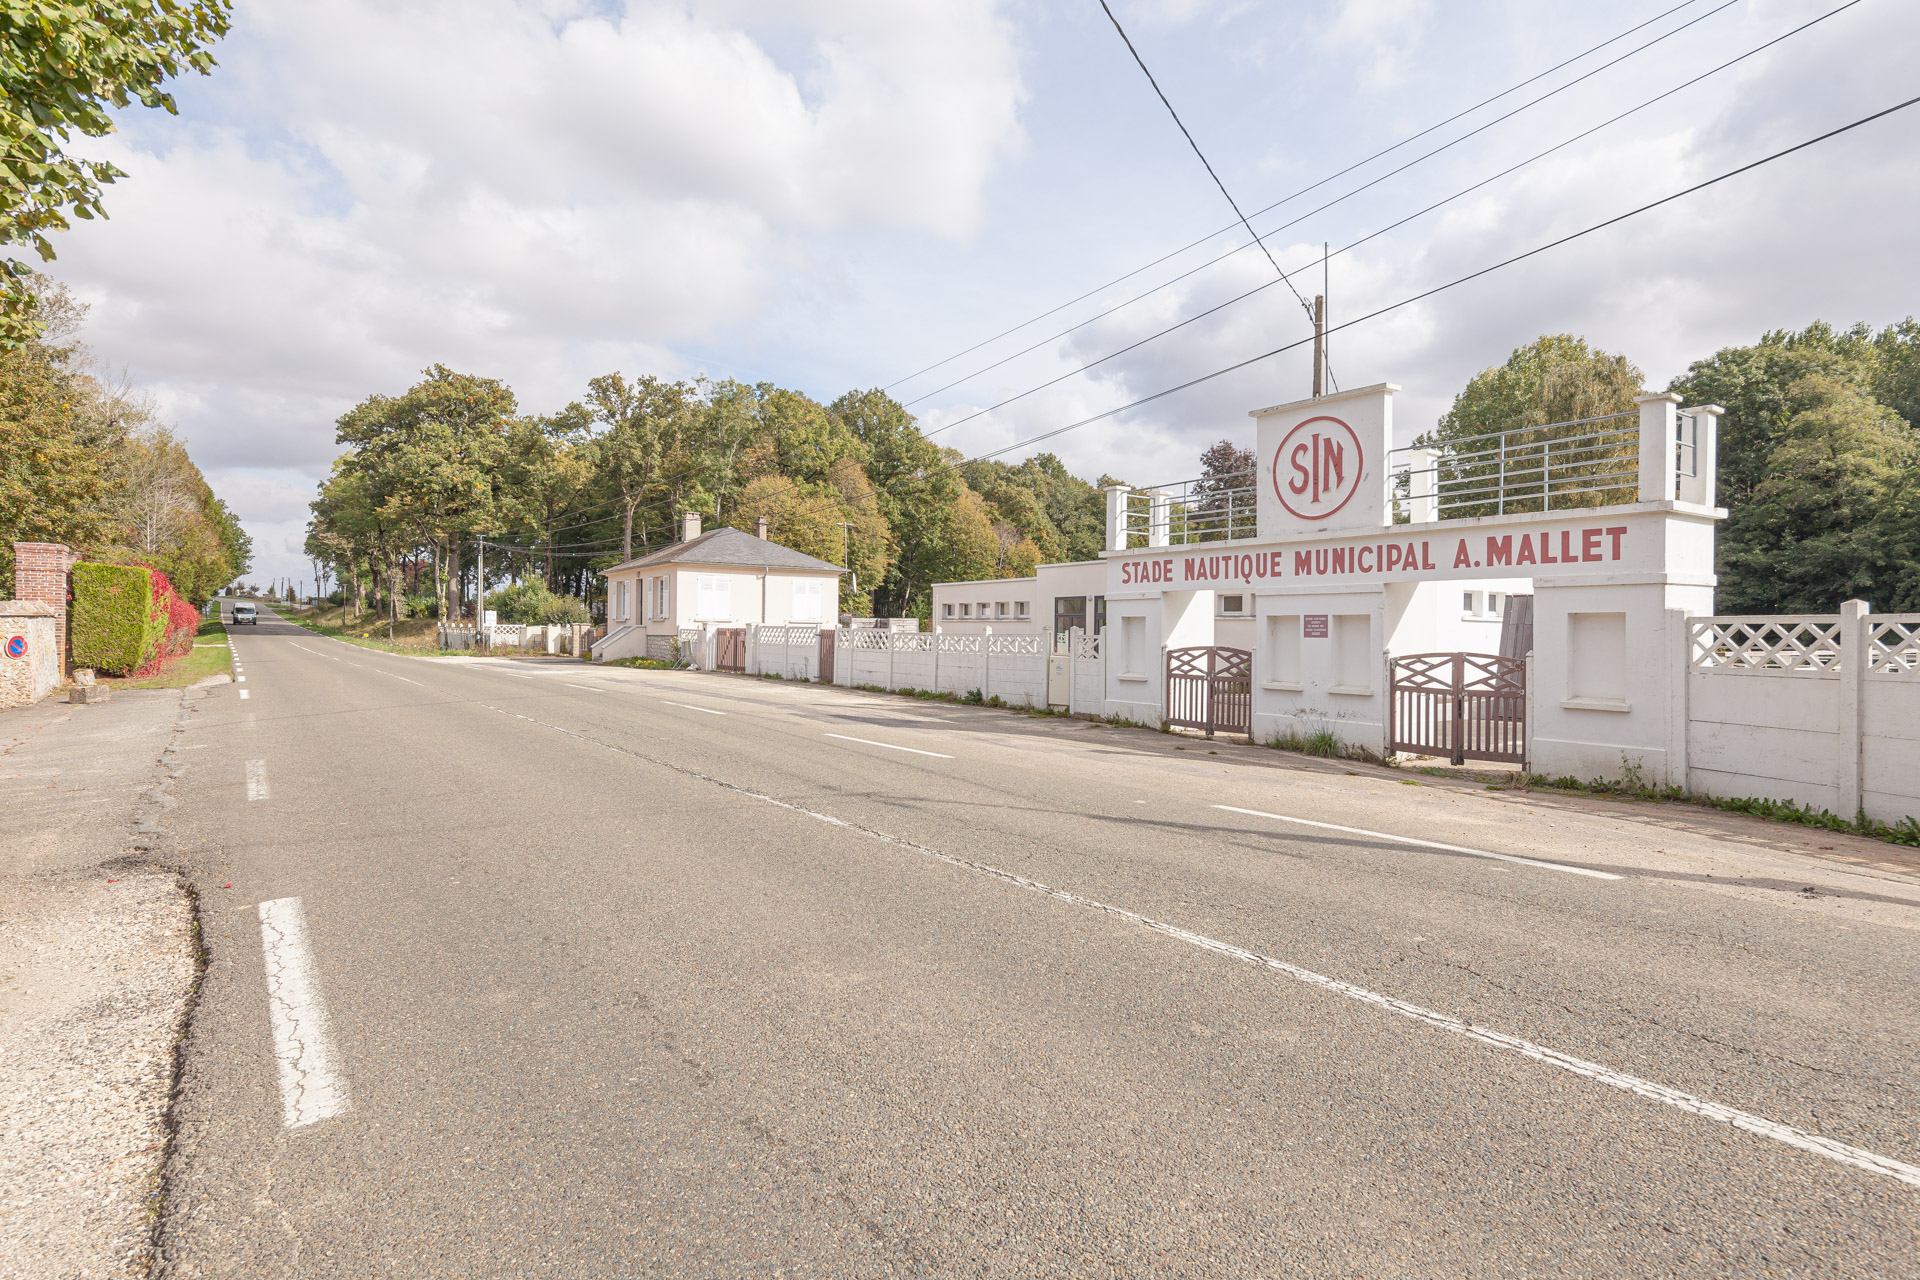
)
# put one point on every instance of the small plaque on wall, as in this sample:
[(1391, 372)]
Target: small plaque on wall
[(1314, 626)]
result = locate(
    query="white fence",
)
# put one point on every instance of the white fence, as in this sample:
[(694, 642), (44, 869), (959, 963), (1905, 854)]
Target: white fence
[(1822, 710), (572, 639)]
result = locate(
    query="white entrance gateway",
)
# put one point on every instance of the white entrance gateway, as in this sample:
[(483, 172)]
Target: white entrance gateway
[(1354, 553)]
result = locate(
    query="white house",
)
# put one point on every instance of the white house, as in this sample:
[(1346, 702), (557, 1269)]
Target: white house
[(1057, 597), (726, 578)]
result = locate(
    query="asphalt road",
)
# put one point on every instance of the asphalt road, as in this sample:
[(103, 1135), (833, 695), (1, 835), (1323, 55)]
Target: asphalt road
[(626, 973)]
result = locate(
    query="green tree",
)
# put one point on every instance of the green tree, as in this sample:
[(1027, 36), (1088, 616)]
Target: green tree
[(1544, 397), (1817, 524), (643, 425), (63, 64)]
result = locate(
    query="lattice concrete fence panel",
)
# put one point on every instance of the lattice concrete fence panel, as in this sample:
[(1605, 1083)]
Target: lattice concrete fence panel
[(1822, 710)]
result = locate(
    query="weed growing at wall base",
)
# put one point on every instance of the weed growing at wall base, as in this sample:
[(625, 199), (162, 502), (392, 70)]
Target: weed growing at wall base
[(1904, 832)]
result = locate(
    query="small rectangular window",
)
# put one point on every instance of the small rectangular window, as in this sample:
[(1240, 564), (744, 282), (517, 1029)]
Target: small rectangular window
[(966, 611), (1069, 612), (806, 602), (1019, 608), (1466, 602), (1232, 604), (1494, 601), (983, 609), (1000, 609)]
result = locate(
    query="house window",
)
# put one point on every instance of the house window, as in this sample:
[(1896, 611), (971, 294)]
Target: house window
[(966, 611), (983, 609), (1099, 614), (1070, 612), (1494, 602), (1467, 599), (715, 599), (806, 602), (1019, 608), (1000, 609), (623, 601), (662, 597), (946, 611), (1232, 604)]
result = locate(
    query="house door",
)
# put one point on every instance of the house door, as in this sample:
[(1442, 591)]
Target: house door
[(826, 657), (731, 653), (1465, 706), (1211, 688)]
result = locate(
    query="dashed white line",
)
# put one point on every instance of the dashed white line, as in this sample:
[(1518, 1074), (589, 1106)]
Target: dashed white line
[(589, 688), (311, 1089), (256, 779), (890, 746), (1427, 844), (1759, 1126), (685, 706), (244, 693)]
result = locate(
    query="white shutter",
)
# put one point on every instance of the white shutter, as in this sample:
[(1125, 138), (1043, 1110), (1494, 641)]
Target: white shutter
[(716, 598), (806, 601)]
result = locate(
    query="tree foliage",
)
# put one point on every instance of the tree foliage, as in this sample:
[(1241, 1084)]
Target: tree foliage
[(63, 64), (1819, 468), (85, 461)]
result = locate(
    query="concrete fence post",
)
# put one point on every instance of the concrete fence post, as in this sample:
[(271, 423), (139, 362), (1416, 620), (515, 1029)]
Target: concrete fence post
[(936, 659), (1855, 655), (1678, 662), (1526, 724), (1116, 517), (986, 663)]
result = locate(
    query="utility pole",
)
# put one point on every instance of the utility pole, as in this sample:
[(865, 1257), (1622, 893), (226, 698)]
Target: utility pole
[(1319, 344), (479, 584), (846, 553)]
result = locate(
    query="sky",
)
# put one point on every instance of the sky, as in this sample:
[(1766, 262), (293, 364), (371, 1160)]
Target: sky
[(841, 194)]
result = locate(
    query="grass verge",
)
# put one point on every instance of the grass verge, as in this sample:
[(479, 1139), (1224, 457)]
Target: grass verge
[(418, 637), (197, 663), (1632, 787)]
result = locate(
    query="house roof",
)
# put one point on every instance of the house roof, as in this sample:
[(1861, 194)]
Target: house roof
[(730, 547)]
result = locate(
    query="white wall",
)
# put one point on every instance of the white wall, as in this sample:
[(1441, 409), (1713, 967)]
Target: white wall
[(1303, 684)]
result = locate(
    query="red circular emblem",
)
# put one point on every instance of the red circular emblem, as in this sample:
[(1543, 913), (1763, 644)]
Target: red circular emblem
[(1317, 467), (16, 646)]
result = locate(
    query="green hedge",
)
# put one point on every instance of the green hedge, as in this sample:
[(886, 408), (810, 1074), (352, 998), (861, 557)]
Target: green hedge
[(114, 627)]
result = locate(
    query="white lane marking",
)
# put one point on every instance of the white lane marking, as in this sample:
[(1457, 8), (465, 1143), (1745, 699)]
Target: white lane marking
[(256, 779), (240, 679), (1427, 844), (1747, 1122), (689, 707), (243, 693), (310, 1088), (589, 688), (889, 746)]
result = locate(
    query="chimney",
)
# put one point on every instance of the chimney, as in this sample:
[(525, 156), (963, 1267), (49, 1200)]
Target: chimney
[(761, 529), (689, 526)]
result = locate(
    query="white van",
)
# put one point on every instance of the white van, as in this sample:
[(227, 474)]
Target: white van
[(245, 613)]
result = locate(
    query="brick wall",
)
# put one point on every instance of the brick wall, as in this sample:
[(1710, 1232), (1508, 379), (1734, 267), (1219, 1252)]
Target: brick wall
[(40, 573)]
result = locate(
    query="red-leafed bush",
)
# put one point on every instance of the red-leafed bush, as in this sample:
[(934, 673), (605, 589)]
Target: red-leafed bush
[(174, 620)]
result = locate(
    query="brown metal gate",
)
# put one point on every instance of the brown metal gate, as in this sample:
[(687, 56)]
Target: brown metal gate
[(731, 653), (1210, 688), (1465, 706), (826, 656)]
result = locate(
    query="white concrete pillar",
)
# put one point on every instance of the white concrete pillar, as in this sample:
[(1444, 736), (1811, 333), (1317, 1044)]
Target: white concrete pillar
[(1423, 489), (1679, 663), (1159, 518), (1855, 651), (1698, 488), (1117, 517), (1659, 443)]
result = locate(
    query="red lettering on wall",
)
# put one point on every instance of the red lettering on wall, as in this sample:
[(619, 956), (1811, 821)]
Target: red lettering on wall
[(1499, 550), (1566, 547), (1589, 544), (1393, 556), (1461, 560), (1302, 476), (1526, 551), (1426, 556), (1302, 563), (1546, 549), (1361, 557), (1320, 561), (1616, 535)]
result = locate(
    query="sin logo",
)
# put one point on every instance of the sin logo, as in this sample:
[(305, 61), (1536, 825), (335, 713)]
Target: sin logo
[(1317, 468)]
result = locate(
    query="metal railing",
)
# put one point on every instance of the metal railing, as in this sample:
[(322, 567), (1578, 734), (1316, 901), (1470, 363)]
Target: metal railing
[(1551, 467), (1207, 509)]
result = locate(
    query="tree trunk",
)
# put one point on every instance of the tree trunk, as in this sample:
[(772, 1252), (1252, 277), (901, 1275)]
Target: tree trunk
[(626, 537)]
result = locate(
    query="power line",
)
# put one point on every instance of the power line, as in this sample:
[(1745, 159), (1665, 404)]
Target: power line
[(1344, 196), (1371, 235), (1442, 288), (1208, 165), (1413, 137)]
